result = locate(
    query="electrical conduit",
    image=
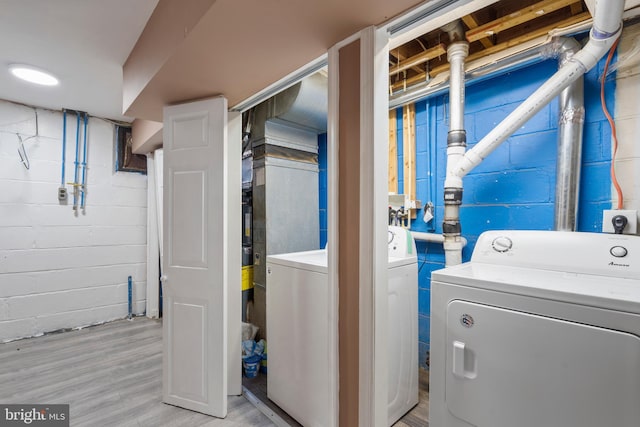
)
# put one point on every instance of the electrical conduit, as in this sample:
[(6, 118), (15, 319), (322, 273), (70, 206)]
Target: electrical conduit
[(607, 26)]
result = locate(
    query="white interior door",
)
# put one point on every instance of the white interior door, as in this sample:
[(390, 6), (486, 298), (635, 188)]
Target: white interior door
[(202, 250)]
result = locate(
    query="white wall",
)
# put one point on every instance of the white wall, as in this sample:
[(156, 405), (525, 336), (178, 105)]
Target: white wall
[(627, 117), (58, 270)]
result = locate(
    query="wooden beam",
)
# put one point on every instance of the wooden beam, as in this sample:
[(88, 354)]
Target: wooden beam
[(420, 58), (497, 48), (409, 152), (576, 8), (516, 18), (400, 57), (470, 22), (393, 153)]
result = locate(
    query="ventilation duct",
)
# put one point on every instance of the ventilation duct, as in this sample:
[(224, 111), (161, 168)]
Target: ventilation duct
[(285, 191)]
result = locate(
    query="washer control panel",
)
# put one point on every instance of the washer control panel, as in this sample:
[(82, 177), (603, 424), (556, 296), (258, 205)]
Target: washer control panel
[(401, 243), (502, 244), (615, 255)]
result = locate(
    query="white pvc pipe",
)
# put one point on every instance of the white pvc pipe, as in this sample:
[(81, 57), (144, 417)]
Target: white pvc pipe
[(606, 29), (433, 238)]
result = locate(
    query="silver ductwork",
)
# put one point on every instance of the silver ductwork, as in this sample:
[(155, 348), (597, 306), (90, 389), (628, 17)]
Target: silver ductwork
[(284, 142), (302, 105), (570, 128)]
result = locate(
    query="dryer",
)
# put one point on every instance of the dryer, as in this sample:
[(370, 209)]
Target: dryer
[(540, 328), (303, 379)]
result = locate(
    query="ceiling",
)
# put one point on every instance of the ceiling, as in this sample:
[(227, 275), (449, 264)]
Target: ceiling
[(138, 56), (237, 48), (490, 30), (82, 42)]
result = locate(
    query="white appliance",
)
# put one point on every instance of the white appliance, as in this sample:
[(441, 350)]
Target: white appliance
[(303, 378), (540, 328)]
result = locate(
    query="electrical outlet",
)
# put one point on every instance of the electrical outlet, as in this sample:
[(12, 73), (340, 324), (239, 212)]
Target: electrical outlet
[(62, 195), (630, 215)]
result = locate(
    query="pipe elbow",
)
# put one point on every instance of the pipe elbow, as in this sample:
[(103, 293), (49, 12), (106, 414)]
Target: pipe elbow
[(594, 50), (455, 30), (607, 19), (469, 161)]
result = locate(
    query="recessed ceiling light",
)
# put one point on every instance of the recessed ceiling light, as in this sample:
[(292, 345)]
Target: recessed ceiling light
[(33, 75)]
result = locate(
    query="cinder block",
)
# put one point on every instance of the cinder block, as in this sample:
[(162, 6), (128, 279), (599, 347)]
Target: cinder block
[(424, 325), (14, 329), (424, 302), (596, 182), (511, 187)]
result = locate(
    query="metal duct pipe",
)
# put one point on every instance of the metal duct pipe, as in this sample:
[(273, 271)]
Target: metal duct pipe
[(457, 52), (607, 26), (473, 76), (570, 127)]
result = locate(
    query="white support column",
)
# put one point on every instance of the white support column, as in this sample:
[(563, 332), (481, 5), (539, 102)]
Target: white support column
[(153, 249), (374, 145)]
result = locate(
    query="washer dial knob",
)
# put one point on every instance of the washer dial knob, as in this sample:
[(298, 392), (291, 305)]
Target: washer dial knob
[(618, 251), (501, 244)]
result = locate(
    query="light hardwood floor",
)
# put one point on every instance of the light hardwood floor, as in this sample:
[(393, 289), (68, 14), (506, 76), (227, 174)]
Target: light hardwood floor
[(111, 375)]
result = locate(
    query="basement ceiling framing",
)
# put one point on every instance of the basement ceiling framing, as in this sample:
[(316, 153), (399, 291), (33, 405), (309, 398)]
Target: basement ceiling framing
[(499, 27)]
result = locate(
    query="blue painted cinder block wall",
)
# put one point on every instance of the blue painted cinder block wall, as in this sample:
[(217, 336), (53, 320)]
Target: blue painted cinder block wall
[(322, 183), (514, 187)]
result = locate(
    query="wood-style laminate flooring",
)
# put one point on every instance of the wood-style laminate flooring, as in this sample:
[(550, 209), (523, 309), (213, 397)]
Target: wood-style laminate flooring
[(111, 375)]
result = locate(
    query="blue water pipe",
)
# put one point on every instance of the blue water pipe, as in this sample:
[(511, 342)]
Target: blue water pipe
[(130, 283), (76, 163), (64, 145), (84, 162)]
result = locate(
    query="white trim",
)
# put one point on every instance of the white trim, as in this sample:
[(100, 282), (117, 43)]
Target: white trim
[(262, 407), (282, 84), (429, 16), (234, 272), (367, 324), (153, 249), (332, 219), (374, 142)]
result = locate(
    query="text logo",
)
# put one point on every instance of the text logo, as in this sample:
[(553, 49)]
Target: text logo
[(34, 415), (467, 320)]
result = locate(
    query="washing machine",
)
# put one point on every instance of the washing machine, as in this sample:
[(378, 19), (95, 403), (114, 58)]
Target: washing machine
[(540, 328), (303, 377)]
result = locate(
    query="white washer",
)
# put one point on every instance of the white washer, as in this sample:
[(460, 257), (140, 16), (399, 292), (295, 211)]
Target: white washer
[(539, 329), (302, 377)]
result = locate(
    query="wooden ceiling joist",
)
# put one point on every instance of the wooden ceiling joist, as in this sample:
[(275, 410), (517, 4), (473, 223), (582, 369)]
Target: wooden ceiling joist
[(494, 49), (471, 23), (516, 18), (399, 58), (420, 58)]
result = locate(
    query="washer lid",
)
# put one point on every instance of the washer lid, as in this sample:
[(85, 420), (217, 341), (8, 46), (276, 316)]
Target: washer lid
[(587, 289), (308, 260)]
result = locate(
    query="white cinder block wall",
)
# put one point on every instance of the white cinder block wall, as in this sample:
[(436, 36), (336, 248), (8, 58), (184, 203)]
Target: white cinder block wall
[(59, 270), (627, 117)]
